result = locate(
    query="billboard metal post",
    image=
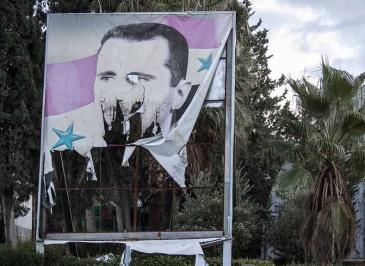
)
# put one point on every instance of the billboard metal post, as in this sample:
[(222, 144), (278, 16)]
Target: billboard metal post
[(229, 145), (39, 232)]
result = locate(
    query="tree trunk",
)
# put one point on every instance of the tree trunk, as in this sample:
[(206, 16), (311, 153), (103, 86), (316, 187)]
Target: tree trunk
[(126, 211), (9, 220), (123, 212), (90, 220), (120, 223)]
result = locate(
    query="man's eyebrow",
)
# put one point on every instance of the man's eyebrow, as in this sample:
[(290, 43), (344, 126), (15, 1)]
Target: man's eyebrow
[(108, 73), (143, 75)]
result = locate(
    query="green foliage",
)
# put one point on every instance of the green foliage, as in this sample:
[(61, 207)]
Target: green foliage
[(259, 164), (26, 256), (20, 98), (20, 107), (292, 181), (157, 260), (204, 211), (286, 228), (325, 134)]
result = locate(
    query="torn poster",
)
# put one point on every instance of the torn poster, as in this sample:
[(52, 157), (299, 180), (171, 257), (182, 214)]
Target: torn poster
[(104, 70)]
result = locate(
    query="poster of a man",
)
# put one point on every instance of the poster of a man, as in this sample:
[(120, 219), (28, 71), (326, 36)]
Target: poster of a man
[(122, 94), (142, 69), (129, 80)]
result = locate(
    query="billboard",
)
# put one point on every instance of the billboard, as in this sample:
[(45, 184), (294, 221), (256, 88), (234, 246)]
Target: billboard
[(110, 72), (131, 85)]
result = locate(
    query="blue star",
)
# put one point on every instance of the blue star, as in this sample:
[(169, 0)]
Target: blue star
[(205, 62), (66, 137)]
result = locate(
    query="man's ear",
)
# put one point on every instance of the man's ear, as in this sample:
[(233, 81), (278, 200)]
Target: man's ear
[(181, 92)]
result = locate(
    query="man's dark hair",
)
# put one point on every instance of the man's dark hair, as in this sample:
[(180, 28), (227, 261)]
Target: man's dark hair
[(179, 52)]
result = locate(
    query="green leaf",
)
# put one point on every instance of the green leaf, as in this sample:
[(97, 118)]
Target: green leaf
[(294, 178), (358, 161), (341, 86), (343, 223), (311, 98), (353, 124)]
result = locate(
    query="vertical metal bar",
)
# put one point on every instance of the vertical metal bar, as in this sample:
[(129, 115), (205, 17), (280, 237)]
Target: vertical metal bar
[(229, 144), (136, 177), (136, 172), (39, 239)]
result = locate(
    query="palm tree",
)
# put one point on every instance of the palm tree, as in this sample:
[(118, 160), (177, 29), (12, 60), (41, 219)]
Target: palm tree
[(326, 150)]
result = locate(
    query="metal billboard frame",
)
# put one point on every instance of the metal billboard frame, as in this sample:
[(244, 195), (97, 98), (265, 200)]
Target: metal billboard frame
[(224, 236)]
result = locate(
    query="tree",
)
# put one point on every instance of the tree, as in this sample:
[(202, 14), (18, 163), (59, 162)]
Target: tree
[(324, 143), (259, 165), (20, 101)]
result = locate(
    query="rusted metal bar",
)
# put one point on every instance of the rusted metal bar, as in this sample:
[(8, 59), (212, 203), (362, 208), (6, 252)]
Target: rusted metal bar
[(122, 236)]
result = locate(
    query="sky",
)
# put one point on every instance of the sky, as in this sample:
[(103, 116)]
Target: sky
[(301, 31)]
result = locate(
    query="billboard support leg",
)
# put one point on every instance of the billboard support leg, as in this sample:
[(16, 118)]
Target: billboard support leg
[(229, 144), (39, 247)]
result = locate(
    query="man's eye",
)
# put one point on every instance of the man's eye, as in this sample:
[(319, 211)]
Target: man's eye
[(143, 78), (134, 79), (106, 77)]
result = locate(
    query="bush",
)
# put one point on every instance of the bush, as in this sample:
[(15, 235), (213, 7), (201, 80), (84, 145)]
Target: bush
[(204, 211), (284, 236), (23, 257), (158, 260), (54, 256)]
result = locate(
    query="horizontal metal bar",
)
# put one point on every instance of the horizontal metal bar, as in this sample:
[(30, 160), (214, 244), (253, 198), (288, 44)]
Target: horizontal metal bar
[(128, 188), (133, 236), (215, 101), (149, 13), (215, 242), (188, 144)]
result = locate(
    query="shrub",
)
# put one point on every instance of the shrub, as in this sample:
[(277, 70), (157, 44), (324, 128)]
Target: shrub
[(204, 211), (21, 257), (26, 256), (285, 232)]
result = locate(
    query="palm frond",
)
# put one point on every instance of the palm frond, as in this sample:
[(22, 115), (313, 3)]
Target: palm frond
[(310, 99), (300, 128), (353, 124), (341, 86), (294, 179), (285, 150), (358, 161), (326, 148), (243, 121), (359, 80), (332, 234)]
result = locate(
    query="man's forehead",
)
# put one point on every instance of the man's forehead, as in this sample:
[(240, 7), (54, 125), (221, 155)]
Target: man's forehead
[(156, 47)]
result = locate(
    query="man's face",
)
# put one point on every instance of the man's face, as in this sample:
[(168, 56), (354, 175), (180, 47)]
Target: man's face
[(130, 72)]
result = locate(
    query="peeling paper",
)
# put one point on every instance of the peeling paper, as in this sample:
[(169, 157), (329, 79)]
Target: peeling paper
[(133, 79), (169, 247), (185, 247), (49, 189), (90, 170)]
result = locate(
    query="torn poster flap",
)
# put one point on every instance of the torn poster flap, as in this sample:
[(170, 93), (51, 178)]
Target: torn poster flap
[(90, 170), (127, 154)]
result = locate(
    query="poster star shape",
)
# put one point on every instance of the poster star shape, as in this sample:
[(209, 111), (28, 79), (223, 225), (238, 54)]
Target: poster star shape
[(66, 137), (206, 62)]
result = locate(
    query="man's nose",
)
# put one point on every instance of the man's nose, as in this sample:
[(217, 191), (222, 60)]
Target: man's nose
[(136, 94)]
